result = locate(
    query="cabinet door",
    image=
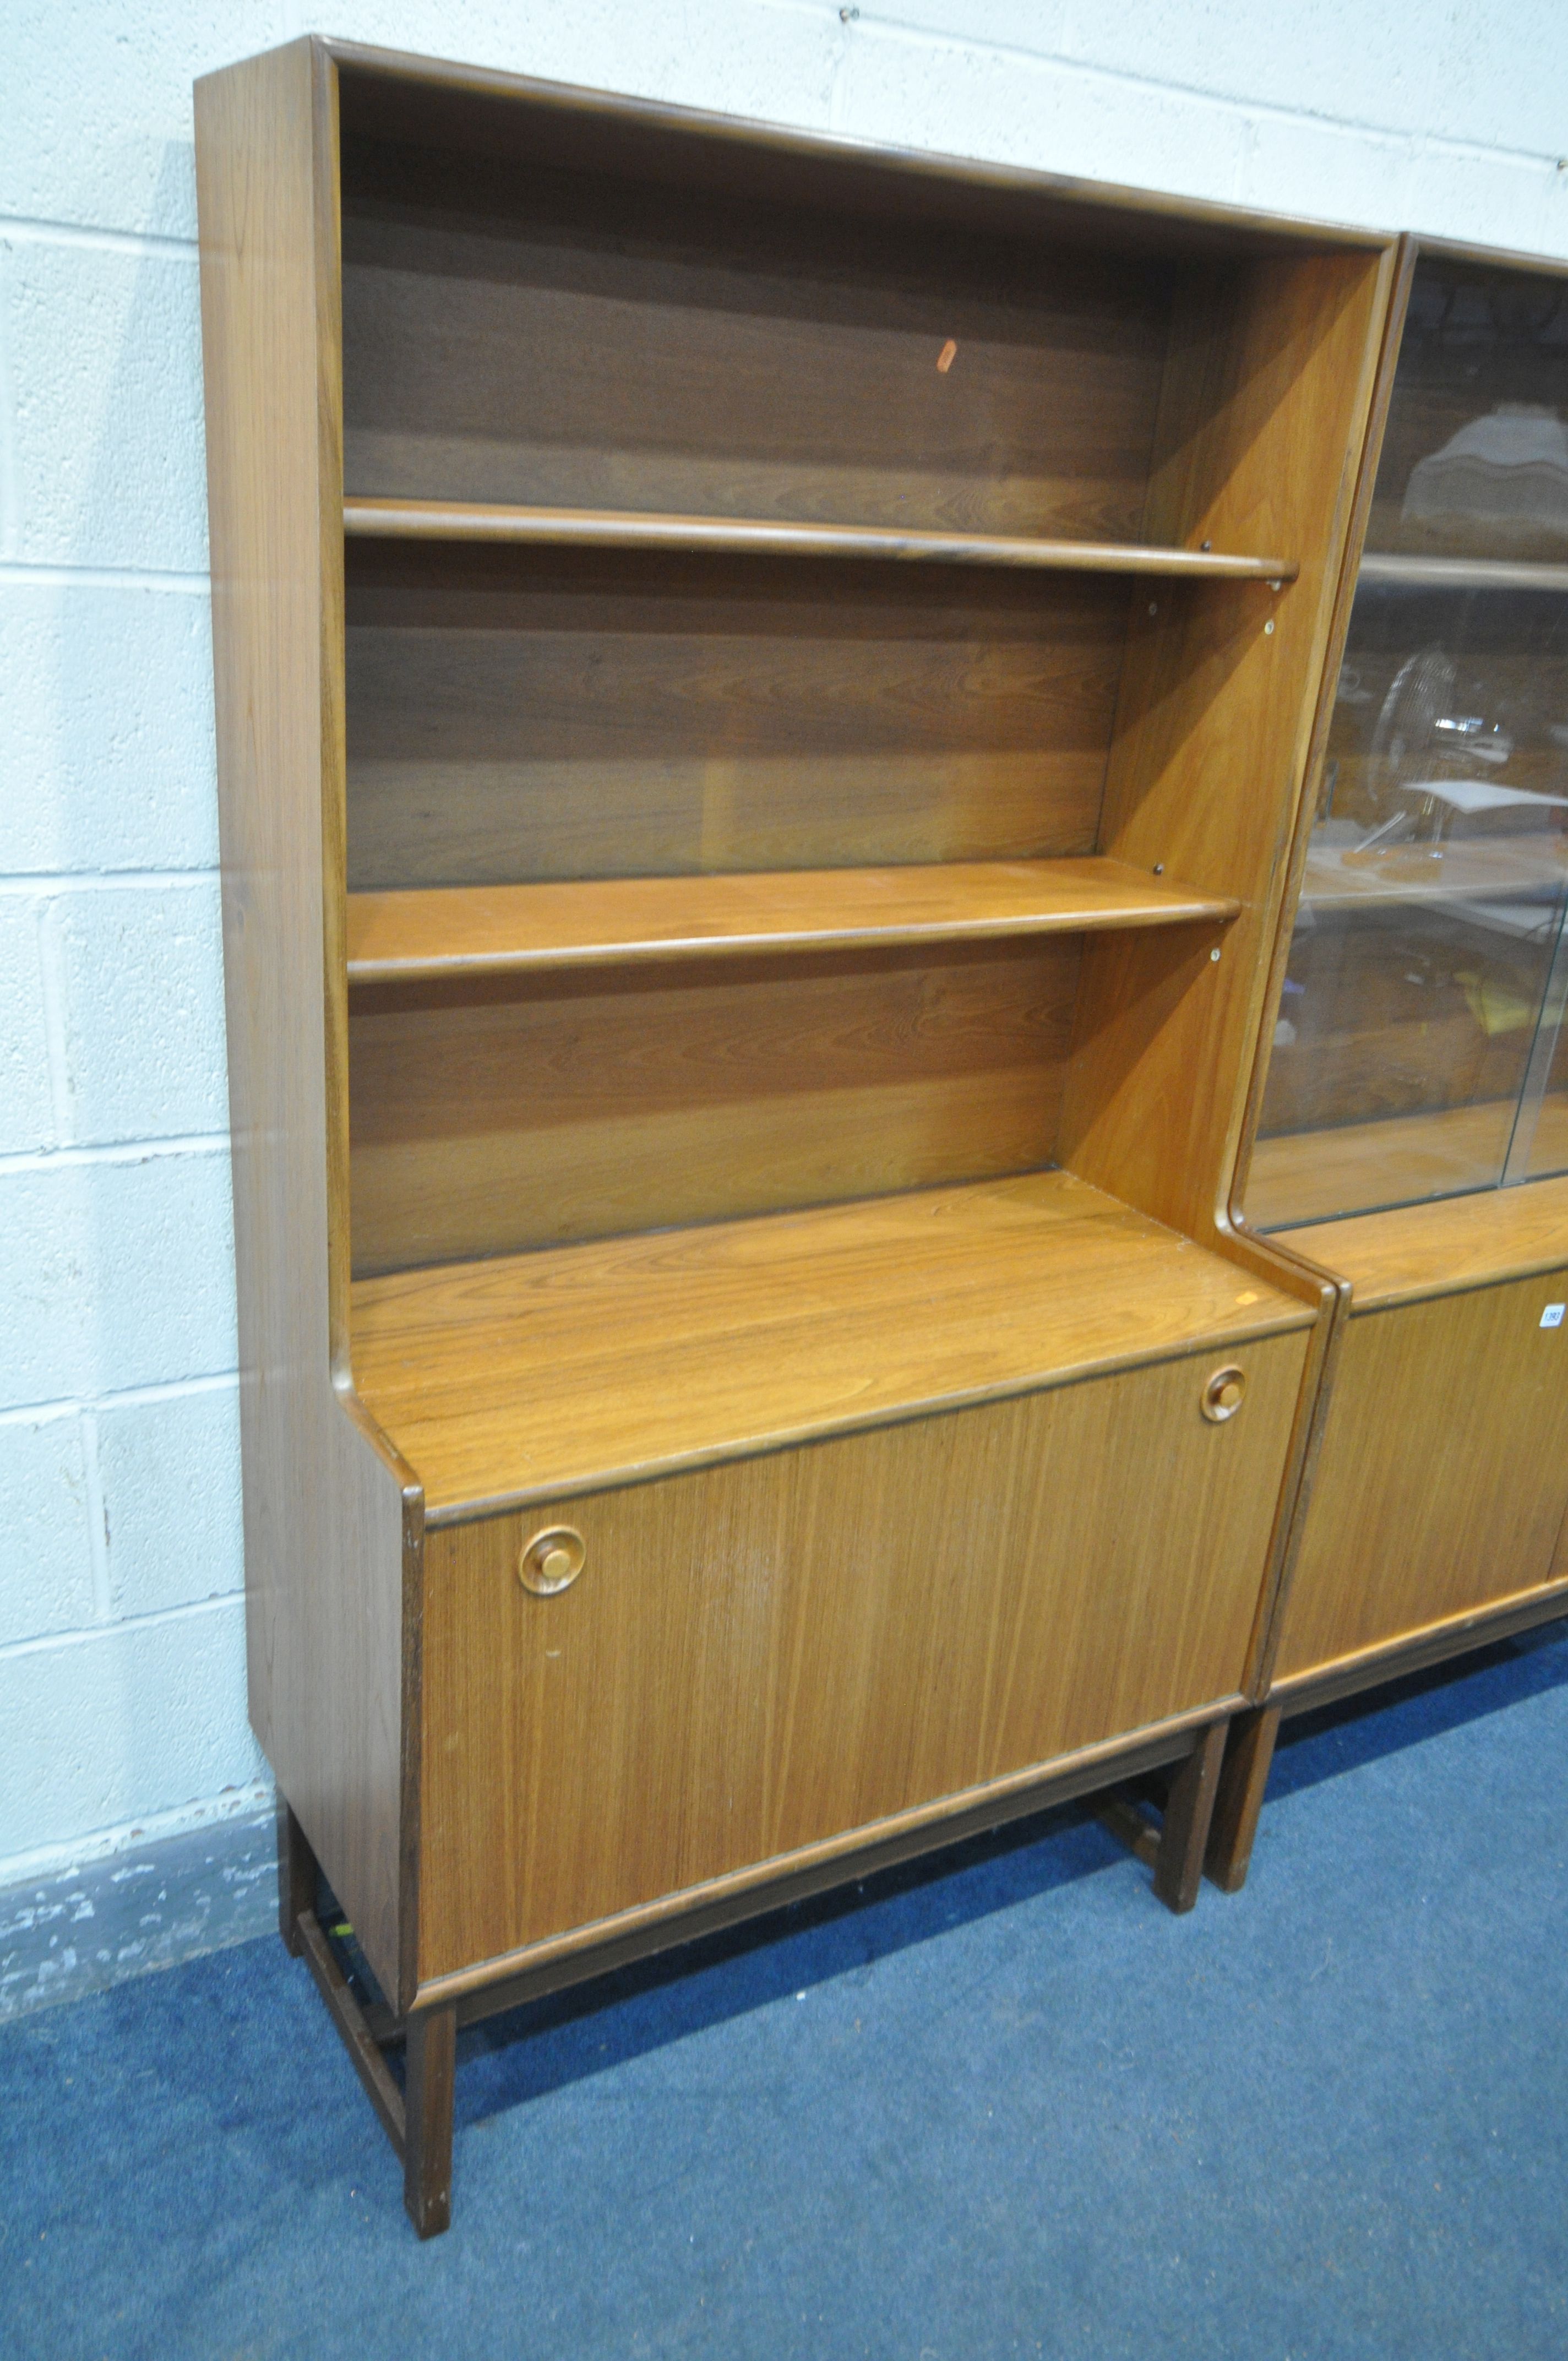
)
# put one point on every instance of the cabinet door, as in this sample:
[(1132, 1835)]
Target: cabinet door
[(1443, 1480), (760, 1657)]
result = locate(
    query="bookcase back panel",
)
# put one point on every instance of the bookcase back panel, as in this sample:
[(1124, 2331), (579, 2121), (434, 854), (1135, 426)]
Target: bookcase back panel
[(486, 1118), (514, 716), (514, 332)]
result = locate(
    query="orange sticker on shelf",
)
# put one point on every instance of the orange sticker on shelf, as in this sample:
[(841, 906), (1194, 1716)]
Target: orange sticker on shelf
[(947, 357)]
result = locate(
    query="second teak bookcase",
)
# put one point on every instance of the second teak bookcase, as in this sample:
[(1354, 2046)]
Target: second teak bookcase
[(763, 690)]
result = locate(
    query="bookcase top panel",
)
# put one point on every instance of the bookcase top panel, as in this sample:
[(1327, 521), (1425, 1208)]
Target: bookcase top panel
[(1469, 1241), (389, 95)]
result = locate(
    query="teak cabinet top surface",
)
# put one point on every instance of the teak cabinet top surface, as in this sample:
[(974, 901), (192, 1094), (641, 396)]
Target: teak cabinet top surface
[(522, 1376)]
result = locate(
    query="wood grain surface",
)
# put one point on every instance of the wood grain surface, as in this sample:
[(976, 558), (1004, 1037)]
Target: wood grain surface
[(523, 334), (526, 1376), (1442, 1480), (492, 1115), (757, 1657), (637, 529), (1457, 1242), (1310, 1176), (1471, 869), (396, 938), (578, 713), (1268, 390), (331, 1515)]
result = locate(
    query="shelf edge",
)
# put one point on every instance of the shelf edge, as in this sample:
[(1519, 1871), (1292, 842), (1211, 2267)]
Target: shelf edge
[(1412, 572), (394, 519), (1165, 908)]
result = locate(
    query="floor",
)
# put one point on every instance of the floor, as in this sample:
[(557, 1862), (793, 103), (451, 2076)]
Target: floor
[(1005, 2107)]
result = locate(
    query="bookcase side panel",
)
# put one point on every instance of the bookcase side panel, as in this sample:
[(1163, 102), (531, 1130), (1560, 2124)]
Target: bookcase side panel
[(1269, 386), (331, 1519)]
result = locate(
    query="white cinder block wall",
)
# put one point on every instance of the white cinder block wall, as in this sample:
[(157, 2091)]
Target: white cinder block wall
[(122, 1692)]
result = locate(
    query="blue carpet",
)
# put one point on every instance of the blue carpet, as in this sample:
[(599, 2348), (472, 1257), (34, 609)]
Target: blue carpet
[(1005, 2106)]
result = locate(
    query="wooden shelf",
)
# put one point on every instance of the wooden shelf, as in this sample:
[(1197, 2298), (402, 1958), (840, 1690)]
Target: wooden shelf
[(1388, 567), (1437, 1249), (402, 519), (1479, 870), (476, 929), (1311, 1176), (529, 1377)]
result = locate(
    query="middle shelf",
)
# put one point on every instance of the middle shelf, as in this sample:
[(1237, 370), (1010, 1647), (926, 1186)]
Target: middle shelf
[(485, 521), (475, 930), (528, 1376)]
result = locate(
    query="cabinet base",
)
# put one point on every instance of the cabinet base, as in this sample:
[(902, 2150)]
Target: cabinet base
[(1249, 1751), (417, 2115), (417, 2118)]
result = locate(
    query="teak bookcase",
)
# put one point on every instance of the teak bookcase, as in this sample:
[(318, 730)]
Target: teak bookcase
[(1414, 1107), (764, 689)]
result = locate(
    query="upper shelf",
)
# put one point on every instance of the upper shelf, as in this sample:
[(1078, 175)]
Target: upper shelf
[(402, 519), (1460, 572), (476, 929), (536, 1375)]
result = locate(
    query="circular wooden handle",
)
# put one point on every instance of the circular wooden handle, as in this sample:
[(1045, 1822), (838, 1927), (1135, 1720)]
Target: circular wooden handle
[(1223, 1395), (552, 1560)]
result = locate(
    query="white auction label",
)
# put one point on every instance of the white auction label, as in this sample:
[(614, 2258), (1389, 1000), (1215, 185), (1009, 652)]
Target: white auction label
[(1552, 1316)]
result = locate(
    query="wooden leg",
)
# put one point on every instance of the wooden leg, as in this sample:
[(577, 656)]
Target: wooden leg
[(1183, 1840), (427, 2105), (418, 2118), (1242, 1780), (296, 1878)]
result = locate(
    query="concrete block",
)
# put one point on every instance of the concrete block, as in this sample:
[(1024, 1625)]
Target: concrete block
[(105, 354), (1490, 199), (106, 756), (46, 1553), (95, 105), (169, 1474), (1378, 67), (1502, 78), (114, 1274), (165, 1301), (1297, 164), (135, 1719), (742, 56), (27, 1096), (48, 1278), (142, 977), (1042, 28), (999, 105)]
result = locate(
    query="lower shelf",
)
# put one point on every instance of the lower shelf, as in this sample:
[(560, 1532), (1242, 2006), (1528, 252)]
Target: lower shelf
[(529, 1377), (1314, 1176)]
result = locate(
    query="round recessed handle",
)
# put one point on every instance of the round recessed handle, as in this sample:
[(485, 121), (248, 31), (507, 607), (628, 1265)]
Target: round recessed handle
[(1223, 1395), (552, 1561)]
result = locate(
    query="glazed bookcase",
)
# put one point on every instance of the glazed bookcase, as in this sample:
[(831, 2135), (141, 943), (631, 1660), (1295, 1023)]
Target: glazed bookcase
[(763, 691), (1413, 1109)]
